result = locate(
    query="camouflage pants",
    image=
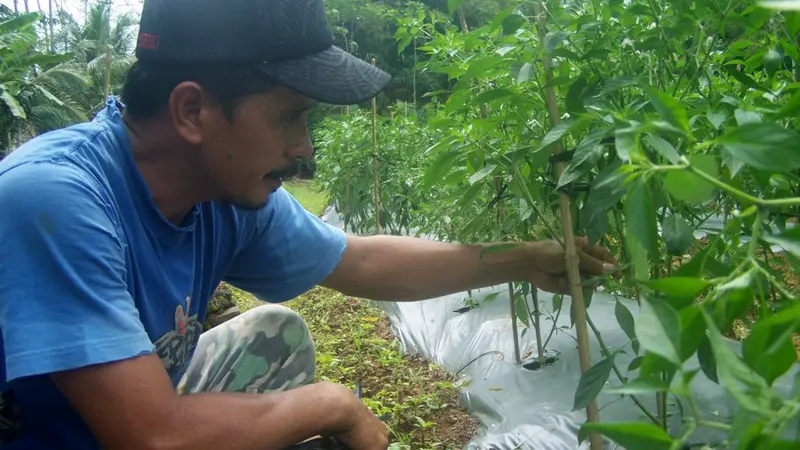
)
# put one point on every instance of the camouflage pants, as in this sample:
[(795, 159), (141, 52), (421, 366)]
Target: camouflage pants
[(266, 349)]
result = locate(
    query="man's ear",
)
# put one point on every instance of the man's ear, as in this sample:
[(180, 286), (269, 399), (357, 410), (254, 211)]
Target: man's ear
[(186, 104)]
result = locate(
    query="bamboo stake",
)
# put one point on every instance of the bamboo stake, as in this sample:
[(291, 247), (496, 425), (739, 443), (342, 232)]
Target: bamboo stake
[(375, 188), (347, 182), (107, 82), (500, 217), (573, 268)]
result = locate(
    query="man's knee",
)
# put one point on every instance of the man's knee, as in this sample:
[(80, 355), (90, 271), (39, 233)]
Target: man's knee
[(275, 329), (272, 320)]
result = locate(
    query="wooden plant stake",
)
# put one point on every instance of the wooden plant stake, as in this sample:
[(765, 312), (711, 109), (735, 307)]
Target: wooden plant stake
[(573, 269), (500, 217), (346, 182), (107, 75), (375, 187)]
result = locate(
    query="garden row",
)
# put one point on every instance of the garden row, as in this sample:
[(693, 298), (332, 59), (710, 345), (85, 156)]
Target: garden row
[(666, 131)]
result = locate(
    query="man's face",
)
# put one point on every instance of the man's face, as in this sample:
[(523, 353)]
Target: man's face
[(246, 158)]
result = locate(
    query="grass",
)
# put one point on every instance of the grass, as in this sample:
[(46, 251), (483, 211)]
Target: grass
[(305, 193), (354, 345)]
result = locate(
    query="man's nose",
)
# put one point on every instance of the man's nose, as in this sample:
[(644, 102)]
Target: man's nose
[(302, 149)]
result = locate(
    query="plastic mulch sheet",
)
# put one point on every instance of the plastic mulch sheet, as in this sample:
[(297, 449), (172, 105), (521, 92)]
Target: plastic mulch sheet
[(523, 406)]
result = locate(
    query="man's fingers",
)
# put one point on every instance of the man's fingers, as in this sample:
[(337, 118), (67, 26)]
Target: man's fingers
[(590, 264), (551, 283), (596, 252)]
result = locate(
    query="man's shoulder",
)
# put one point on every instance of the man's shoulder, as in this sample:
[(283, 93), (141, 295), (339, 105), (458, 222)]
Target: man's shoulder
[(45, 176), (54, 146), (64, 162)]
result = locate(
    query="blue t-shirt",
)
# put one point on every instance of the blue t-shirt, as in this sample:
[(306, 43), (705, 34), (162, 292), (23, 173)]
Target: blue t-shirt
[(91, 272)]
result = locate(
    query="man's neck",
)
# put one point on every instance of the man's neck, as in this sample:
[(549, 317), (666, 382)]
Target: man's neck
[(166, 167)]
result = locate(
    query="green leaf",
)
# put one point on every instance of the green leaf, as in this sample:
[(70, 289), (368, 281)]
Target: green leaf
[(625, 144), (664, 148), (524, 73), (16, 109), (555, 134), (680, 287), (705, 357), (789, 240), (46, 60), (769, 349), (521, 308), (743, 117), (592, 382), (626, 322), (716, 118), (481, 174), (742, 382), (20, 22), (480, 65), (630, 435), (618, 83), (494, 94), (635, 363), (453, 5), (694, 331), (689, 187), (669, 109), (443, 163), (766, 146), (641, 216), (553, 39), (677, 233), (658, 329), (574, 100)]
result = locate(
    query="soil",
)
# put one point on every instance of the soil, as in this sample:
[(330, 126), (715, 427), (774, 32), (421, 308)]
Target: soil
[(453, 427)]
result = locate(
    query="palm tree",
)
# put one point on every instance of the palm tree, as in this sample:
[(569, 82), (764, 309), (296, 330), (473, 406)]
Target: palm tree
[(96, 46), (40, 92), (32, 102)]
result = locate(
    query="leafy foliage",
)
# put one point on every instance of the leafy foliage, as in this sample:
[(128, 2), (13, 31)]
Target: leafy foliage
[(680, 129)]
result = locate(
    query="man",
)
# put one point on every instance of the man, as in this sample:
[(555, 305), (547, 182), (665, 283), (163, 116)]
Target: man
[(114, 234)]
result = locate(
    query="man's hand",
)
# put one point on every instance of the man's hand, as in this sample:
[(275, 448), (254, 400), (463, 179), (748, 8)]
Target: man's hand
[(551, 267), (365, 431)]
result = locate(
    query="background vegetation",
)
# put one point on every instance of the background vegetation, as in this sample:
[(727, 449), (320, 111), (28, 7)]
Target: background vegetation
[(666, 130)]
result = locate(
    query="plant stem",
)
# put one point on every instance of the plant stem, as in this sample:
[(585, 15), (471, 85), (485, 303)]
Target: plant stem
[(792, 201), (607, 353), (573, 270), (513, 305), (375, 188), (537, 324)]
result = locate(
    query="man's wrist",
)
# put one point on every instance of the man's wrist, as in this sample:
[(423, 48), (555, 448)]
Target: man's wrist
[(342, 409)]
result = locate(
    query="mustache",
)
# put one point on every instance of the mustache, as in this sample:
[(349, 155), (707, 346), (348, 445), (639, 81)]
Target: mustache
[(293, 169)]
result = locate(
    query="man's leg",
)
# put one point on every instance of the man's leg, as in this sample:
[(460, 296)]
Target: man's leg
[(265, 349)]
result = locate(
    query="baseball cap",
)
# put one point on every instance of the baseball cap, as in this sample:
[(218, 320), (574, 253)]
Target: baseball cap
[(289, 40)]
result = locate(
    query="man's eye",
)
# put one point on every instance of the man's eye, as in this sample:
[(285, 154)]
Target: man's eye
[(289, 118)]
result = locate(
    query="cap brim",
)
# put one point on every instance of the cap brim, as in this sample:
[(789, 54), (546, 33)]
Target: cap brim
[(330, 76)]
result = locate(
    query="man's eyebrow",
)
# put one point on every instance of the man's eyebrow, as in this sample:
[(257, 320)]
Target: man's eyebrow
[(301, 108)]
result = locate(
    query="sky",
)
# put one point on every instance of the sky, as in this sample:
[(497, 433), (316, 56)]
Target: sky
[(75, 7)]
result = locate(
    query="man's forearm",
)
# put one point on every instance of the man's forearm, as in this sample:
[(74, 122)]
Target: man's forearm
[(397, 268), (254, 421), (131, 404)]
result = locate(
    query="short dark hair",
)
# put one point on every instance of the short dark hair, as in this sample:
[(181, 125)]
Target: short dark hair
[(147, 87)]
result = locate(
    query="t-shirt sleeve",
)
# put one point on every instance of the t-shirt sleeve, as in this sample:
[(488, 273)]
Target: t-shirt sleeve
[(289, 253), (64, 302)]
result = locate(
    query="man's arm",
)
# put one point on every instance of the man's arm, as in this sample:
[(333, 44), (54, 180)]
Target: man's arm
[(131, 404), (398, 268), (68, 315)]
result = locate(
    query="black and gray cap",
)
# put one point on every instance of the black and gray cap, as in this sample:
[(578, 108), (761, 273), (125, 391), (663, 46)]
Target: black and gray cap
[(287, 39)]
